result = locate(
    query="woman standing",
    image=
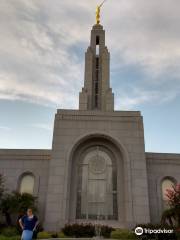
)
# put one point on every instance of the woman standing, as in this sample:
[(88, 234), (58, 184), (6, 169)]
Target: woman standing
[(28, 224)]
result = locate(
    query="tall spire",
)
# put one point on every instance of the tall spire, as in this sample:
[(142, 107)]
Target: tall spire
[(97, 94)]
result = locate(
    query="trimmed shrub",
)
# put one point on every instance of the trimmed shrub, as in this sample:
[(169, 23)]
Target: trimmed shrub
[(123, 234), (106, 231), (54, 235), (79, 230), (44, 235), (61, 235), (85, 230)]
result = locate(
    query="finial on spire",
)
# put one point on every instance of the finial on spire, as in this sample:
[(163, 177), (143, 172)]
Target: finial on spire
[(98, 10)]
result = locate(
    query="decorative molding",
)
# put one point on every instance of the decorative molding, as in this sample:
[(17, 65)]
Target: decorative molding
[(99, 113)]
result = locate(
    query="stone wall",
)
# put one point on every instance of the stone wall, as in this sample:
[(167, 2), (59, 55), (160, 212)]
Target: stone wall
[(15, 163), (160, 166), (143, 172), (125, 129)]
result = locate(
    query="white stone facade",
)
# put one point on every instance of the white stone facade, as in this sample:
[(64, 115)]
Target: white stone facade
[(95, 124)]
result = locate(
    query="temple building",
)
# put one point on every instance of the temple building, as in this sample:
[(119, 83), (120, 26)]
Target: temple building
[(98, 167)]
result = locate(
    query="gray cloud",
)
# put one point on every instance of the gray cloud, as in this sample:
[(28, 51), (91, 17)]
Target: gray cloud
[(38, 61)]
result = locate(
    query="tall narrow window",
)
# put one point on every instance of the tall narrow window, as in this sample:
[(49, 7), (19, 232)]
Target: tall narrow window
[(167, 183), (97, 45), (27, 184), (96, 83), (97, 187), (97, 50), (96, 75)]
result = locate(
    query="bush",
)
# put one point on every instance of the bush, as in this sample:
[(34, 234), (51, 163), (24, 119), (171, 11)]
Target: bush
[(9, 232), (123, 234), (79, 230), (106, 231), (54, 235), (43, 235), (61, 235), (85, 230)]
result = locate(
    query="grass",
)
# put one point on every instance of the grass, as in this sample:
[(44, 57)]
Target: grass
[(10, 238)]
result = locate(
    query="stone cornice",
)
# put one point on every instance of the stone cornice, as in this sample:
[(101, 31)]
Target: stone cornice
[(98, 115), (25, 154), (163, 158)]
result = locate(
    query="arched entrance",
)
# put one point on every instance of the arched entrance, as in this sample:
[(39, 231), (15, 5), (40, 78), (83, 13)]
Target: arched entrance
[(97, 183)]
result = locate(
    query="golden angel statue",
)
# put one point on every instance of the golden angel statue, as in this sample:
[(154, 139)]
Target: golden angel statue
[(98, 10)]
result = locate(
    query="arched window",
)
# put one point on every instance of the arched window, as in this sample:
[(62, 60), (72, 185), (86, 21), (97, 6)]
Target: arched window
[(97, 185), (27, 183), (167, 183)]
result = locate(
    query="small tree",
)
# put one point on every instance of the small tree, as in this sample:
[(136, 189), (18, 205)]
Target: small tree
[(173, 196), (6, 206), (174, 201), (2, 189), (16, 204)]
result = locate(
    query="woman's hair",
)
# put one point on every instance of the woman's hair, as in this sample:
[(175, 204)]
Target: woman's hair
[(30, 209)]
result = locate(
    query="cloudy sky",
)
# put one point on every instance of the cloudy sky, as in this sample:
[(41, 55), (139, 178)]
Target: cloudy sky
[(42, 45)]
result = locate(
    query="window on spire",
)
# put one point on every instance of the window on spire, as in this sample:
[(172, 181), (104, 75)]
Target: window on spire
[(96, 83), (97, 45), (97, 40)]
